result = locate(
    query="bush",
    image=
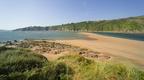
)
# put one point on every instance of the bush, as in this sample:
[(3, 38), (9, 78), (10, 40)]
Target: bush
[(4, 77), (3, 48), (17, 76), (63, 72), (22, 64), (83, 61), (19, 60), (57, 71)]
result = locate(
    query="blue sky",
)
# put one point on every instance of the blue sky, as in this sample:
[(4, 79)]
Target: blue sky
[(22, 13)]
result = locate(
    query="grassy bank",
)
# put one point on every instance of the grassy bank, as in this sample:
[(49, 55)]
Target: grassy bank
[(86, 69), (22, 64)]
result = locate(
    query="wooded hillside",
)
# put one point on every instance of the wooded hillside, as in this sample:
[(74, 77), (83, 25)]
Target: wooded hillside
[(131, 24)]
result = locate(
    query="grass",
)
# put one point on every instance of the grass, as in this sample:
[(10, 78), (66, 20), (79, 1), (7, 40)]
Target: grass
[(22, 64), (19, 60), (86, 69)]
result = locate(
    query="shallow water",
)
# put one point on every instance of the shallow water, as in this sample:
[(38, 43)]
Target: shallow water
[(133, 36), (20, 35)]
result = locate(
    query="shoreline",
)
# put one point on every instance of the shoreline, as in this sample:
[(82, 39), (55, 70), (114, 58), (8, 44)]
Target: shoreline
[(142, 32), (119, 48)]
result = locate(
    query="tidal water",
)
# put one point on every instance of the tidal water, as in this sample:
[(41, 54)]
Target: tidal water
[(51, 35), (132, 36)]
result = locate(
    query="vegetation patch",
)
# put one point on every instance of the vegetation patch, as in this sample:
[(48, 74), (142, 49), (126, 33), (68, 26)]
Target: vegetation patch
[(22, 64), (86, 69), (131, 24)]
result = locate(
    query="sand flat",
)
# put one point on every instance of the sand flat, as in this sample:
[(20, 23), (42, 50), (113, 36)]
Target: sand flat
[(120, 48)]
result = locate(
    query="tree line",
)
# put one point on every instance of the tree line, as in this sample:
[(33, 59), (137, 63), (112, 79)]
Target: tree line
[(131, 24)]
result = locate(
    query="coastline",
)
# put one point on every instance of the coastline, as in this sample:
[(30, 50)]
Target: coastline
[(138, 32), (120, 49)]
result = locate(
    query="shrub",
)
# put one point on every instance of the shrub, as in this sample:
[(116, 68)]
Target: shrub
[(3, 48), (22, 64), (63, 72), (4, 77), (17, 76), (57, 71), (19, 60), (83, 61)]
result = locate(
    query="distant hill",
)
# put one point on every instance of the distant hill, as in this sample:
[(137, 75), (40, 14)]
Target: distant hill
[(131, 24), (33, 28), (2, 30)]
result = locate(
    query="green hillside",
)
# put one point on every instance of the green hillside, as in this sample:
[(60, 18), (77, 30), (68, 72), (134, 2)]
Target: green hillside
[(131, 24)]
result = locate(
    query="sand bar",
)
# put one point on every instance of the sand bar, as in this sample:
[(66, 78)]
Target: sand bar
[(119, 48)]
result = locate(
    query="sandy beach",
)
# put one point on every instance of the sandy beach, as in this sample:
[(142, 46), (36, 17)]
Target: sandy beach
[(120, 49)]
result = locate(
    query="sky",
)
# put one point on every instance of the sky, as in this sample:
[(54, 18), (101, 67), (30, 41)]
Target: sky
[(23, 13)]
